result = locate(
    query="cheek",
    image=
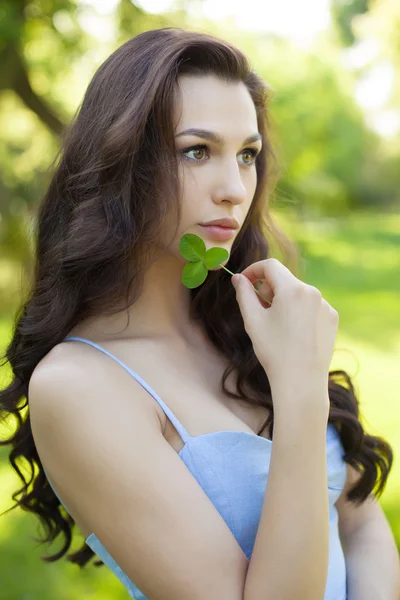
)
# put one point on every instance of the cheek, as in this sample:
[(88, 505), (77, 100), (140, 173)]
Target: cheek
[(189, 180), (251, 186), (190, 194), (252, 182), (185, 173)]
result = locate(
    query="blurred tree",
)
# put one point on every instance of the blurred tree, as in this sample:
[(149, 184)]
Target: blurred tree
[(324, 143), (377, 19), (343, 13), (373, 27), (21, 22), (382, 24), (48, 51)]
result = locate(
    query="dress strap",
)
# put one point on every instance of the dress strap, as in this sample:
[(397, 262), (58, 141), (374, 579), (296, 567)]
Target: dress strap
[(176, 423)]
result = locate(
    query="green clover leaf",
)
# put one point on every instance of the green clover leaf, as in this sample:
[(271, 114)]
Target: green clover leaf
[(194, 273), (192, 247), (215, 256)]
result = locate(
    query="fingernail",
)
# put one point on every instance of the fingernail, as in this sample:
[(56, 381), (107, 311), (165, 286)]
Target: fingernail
[(235, 280)]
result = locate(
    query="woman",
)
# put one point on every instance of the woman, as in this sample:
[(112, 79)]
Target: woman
[(163, 463)]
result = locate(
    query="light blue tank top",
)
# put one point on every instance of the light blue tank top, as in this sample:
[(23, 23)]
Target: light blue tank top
[(232, 469)]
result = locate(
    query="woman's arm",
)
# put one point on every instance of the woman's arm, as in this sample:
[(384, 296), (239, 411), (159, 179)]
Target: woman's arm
[(291, 550), (372, 559)]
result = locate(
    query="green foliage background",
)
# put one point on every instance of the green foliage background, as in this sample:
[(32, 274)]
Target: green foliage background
[(338, 198)]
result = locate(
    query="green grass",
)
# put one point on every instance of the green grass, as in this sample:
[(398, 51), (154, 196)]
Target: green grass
[(354, 262)]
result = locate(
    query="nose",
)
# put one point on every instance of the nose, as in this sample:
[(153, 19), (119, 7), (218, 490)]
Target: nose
[(230, 184)]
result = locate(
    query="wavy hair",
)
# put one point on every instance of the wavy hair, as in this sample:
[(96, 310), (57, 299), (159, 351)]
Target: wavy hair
[(114, 181)]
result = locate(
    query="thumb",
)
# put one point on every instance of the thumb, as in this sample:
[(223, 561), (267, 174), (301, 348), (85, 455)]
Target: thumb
[(246, 296)]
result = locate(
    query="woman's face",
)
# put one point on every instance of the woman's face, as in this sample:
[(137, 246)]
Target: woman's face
[(217, 177)]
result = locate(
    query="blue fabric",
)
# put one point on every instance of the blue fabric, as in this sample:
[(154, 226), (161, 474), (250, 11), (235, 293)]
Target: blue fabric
[(232, 469)]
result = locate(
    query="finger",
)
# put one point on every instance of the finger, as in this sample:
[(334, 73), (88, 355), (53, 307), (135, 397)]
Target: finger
[(273, 272), (248, 301), (332, 312)]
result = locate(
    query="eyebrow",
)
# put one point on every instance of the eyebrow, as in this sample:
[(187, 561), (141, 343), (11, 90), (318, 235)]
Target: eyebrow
[(215, 137)]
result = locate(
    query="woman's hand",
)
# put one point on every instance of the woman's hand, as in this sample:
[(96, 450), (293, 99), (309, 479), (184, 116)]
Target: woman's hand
[(294, 337)]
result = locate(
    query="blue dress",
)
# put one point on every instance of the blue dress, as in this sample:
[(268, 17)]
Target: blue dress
[(232, 469)]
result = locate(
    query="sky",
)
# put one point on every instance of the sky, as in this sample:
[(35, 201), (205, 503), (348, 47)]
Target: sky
[(297, 20)]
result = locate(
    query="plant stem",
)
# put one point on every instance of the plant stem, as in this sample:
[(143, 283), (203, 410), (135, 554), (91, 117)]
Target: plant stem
[(257, 292)]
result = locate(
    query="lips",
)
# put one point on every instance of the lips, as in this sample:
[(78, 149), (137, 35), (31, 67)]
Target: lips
[(219, 233), (226, 222)]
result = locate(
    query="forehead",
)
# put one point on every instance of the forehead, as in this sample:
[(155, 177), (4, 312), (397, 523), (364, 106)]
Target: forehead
[(210, 103)]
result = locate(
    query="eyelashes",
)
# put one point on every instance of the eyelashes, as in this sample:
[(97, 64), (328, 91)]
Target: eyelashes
[(252, 151)]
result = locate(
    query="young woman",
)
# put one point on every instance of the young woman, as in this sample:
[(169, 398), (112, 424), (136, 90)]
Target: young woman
[(158, 413)]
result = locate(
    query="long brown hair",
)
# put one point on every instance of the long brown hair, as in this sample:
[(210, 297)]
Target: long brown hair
[(95, 225)]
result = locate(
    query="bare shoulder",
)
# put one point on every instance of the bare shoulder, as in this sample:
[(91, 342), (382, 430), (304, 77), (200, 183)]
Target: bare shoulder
[(77, 366), (103, 448)]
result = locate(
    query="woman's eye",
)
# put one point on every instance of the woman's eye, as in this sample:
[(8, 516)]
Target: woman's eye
[(198, 154), (252, 152), (196, 150)]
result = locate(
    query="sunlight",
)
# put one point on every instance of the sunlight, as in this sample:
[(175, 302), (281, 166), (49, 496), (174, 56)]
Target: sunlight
[(297, 21)]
